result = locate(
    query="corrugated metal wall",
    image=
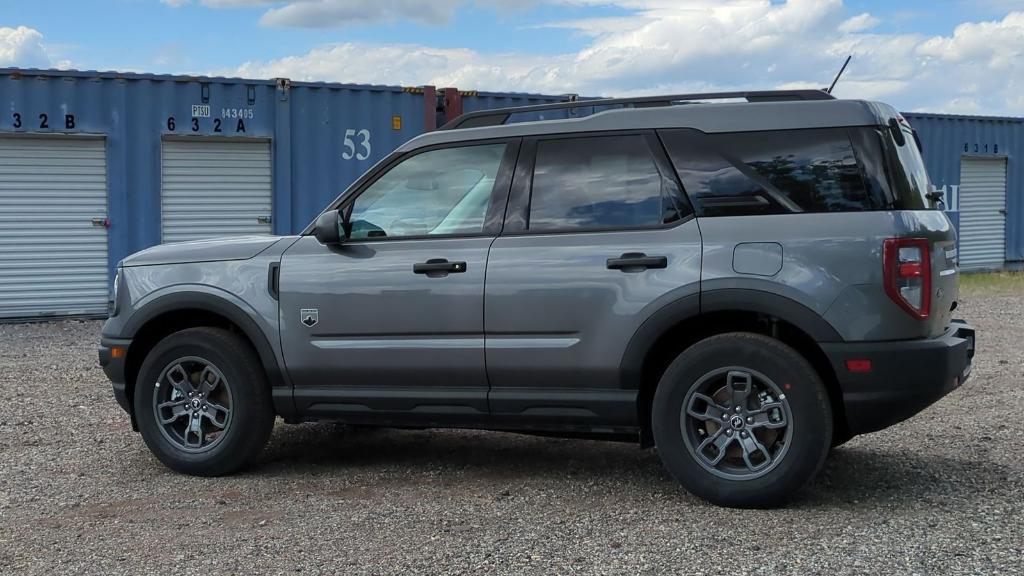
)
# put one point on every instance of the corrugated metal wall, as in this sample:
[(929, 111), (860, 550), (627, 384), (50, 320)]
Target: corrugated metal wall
[(215, 187), (947, 139), (336, 133), (982, 213), (53, 243), (321, 136)]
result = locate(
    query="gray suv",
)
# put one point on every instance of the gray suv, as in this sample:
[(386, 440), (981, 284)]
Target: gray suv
[(742, 284)]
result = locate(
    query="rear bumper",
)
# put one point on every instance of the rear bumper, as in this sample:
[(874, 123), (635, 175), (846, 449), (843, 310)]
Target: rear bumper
[(114, 368), (905, 377)]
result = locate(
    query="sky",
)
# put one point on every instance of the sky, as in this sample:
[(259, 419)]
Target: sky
[(954, 56)]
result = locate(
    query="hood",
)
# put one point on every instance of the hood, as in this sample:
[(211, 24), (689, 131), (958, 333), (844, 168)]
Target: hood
[(214, 249)]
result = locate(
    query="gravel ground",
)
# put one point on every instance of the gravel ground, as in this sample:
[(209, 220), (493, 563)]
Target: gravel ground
[(80, 494)]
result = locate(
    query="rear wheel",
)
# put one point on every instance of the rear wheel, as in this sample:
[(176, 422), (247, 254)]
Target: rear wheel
[(742, 420), (202, 402)]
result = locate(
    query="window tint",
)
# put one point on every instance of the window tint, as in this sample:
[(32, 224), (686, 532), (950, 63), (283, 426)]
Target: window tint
[(599, 182), (771, 172), (443, 191), (911, 178)]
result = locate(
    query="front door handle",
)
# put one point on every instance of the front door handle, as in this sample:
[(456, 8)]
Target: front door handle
[(636, 261), (436, 267)]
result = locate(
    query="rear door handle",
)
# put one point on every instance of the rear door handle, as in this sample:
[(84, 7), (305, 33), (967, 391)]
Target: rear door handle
[(439, 267), (636, 261)]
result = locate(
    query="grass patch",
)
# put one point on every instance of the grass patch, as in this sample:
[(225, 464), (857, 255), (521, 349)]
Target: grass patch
[(992, 282)]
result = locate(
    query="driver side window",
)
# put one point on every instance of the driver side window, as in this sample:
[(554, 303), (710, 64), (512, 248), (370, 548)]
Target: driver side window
[(440, 192)]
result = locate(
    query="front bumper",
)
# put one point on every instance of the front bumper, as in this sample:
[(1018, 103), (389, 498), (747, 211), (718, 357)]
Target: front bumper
[(905, 376), (114, 368)]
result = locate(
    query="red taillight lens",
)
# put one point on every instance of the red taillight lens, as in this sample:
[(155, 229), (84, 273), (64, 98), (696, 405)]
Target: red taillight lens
[(907, 274)]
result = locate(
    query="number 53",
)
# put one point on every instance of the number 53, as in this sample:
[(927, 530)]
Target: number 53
[(350, 146)]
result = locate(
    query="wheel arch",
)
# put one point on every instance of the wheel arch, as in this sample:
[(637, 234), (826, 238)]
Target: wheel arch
[(677, 325), (177, 311)]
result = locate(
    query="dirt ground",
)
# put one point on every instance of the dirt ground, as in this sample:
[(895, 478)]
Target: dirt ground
[(81, 494)]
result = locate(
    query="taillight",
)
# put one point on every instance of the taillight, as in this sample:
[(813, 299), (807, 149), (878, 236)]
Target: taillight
[(907, 274)]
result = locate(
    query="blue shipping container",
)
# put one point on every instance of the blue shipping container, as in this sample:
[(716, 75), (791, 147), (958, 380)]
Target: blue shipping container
[(949, 142), (322, 136)]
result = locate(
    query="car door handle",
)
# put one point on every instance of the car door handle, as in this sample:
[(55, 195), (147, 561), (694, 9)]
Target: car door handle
[(637, 261), (438, 267)]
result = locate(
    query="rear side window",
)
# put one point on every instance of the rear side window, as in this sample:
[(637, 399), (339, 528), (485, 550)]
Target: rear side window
[(601, 182), (777, 172), (911, 178)]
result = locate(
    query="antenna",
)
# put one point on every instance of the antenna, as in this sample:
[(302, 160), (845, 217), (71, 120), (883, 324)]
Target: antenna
[(841, 70)]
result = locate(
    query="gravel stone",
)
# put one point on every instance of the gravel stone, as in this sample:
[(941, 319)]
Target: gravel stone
[(81, 494)]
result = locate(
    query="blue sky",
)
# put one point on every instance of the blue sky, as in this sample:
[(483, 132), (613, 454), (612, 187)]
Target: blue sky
[(944, 55)]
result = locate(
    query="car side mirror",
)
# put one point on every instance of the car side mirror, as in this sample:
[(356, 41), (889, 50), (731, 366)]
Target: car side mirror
[(329, 228), (936, 197)]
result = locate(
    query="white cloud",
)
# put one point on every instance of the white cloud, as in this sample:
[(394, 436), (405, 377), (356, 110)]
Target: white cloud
[(336, 13), (684, 45), (342, 13), (859, 23), (23, 47)]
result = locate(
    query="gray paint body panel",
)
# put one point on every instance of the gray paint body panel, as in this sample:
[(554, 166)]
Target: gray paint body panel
[(212, 250), (557, 319), (383, 327), (832, 264)]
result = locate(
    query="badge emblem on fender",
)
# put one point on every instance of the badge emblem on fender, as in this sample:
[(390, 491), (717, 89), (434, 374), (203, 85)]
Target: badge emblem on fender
[(309, 316)]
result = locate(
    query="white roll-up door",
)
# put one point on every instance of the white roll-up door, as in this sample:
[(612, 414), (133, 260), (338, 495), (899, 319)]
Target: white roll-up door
[(53, 242), (212, 188), (982, 213)]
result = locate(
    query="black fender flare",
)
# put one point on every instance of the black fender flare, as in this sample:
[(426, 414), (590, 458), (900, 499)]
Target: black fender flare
[(718, 300), (217, 305)]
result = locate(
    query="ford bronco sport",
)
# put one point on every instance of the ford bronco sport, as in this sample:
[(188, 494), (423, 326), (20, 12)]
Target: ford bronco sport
[(742, 284)]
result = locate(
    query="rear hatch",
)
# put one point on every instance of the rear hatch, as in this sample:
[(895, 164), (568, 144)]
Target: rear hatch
[(921, 271)]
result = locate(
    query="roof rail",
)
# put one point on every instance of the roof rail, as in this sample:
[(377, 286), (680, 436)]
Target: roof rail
[(499, 116)]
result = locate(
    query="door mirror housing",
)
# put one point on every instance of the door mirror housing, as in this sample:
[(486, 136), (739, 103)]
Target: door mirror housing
[(937, 197), (330, 228)]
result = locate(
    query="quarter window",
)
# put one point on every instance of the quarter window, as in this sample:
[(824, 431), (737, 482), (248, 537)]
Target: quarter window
[(439, 192), (776, 172), (603, 182)]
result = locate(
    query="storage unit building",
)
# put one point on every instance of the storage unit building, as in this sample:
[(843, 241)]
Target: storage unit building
[(976, 161), (97, 165)]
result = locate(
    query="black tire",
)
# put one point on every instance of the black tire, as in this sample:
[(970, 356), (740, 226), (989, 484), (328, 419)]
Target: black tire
[(251, 410), (808, 414)]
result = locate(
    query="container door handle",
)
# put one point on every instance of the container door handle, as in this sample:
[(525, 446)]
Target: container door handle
[(637, 261)]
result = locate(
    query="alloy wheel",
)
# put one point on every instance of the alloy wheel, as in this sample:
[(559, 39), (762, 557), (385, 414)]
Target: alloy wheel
[(736, 423), (192, 403)]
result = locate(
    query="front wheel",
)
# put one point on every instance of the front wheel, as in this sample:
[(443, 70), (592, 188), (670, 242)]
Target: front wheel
[(202, 402), (742, 420)]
